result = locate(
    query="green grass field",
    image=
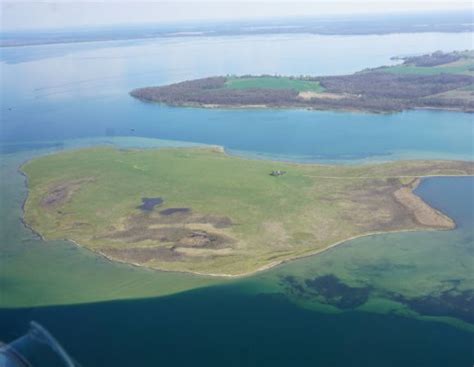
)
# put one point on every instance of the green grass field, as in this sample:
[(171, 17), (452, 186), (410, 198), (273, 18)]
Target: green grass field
[(463, 66), (226, 215), (272, 82)]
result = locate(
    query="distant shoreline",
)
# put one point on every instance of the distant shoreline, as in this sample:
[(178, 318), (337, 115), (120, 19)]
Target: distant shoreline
[(290, 107), (455, 21), (157, 37)]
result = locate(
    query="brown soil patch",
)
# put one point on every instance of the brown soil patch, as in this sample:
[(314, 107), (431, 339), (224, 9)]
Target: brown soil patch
[(141, 255), (173, 234), (62, 193)]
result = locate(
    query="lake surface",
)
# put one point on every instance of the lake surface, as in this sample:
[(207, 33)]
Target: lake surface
[(57, 92), (66, 96)]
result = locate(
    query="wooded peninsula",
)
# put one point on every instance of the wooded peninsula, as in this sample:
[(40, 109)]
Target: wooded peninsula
[(439, 80)]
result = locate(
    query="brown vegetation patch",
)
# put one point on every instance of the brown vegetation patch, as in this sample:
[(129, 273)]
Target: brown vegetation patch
[(171, 211), (176, 235), (203, 239), (141, 255), (392, 205), (217, 221), (178, 216), (374, 199), (423, 213), (172, 229), (62, 193)]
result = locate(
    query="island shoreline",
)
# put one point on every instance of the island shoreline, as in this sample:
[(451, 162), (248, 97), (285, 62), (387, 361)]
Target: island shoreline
[(244, 107), (266, 266)]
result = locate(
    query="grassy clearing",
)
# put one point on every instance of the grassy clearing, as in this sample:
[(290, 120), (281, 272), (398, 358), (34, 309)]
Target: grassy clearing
[(463, 66), (240, 218), (273, 82)]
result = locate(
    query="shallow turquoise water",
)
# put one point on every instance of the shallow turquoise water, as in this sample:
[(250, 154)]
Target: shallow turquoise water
[(63, 96)]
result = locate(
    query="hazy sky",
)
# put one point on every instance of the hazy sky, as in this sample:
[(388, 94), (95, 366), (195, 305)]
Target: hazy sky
[(20, 14)]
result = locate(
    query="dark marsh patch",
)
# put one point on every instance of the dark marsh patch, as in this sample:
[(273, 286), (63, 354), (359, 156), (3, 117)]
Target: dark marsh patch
[(294, 284), (329, 290), (171, 211), (62, 192), (148, 204), (337, 293), (178, 217), (169, 233), (55, 196), (370, 197), (383, 266), (452, 302), (177, 235)]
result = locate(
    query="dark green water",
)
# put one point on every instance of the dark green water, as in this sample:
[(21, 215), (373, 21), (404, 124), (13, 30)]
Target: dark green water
[(222, 327)]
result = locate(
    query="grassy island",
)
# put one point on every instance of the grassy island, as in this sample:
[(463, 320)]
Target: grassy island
[(438, 80), (200, 210)]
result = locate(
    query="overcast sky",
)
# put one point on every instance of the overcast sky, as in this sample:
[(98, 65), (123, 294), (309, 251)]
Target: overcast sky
[(20, 14)]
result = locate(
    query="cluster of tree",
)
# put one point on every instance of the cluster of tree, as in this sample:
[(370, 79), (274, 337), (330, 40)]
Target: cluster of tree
[(434, 59), (211, 91), (391, 85), (466, 104), (379, 91), (358, 104), (381, 104)]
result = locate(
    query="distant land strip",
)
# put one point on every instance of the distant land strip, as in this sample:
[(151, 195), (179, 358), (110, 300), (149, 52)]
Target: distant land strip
[(445, 22)]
